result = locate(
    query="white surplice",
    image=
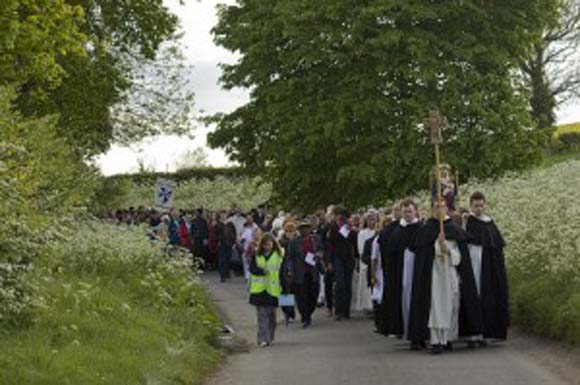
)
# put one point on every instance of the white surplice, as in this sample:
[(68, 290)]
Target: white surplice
[(362, 294), (444, 315), (377, 292), (476, 254), (407, 284), (407, 287)]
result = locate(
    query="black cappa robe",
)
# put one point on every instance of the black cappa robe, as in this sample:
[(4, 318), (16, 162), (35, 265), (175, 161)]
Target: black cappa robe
[(470, 318), (383, 240), (494, 283), (392, 313)]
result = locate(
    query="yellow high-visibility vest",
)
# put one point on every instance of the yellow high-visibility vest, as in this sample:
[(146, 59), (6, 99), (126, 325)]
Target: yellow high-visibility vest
[(269, 282)]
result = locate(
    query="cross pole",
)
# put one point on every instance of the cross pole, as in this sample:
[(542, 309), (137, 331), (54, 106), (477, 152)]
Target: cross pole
[(457, 196), (436, 122)]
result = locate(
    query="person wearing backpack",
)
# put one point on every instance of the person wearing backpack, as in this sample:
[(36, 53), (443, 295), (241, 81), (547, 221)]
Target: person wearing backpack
[(265, 287)]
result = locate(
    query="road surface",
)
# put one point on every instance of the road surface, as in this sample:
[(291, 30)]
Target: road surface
[(348, 353)]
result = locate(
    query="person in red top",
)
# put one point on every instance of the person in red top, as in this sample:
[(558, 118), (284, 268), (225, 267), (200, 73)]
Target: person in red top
[(305, 251), (184, 224)]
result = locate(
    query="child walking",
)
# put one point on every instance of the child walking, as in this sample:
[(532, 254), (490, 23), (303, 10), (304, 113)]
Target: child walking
[(265, 287)]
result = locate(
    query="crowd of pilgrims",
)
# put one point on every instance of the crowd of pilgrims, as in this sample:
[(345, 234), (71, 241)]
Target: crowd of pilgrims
[(395, 265)]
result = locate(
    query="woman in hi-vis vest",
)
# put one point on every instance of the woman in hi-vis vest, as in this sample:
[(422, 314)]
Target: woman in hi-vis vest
[(265, 287)]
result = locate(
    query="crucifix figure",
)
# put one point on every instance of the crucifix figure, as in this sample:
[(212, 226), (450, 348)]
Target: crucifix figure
[(436, 123)]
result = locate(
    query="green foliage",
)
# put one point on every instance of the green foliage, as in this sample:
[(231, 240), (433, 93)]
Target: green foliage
[(34, 36), (114, 90), (550, 68), (110, 194), (339, 91), (111, 308), (43, 184), (183, 175), (567, 142)]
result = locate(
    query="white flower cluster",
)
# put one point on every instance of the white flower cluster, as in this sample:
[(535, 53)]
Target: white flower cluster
[(539, 214), (160, 278)]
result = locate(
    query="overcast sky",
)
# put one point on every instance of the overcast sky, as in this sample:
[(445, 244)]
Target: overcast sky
[(161, 153)]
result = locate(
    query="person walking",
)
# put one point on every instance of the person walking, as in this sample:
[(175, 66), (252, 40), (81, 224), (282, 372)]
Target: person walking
[(343, 243), (305, 252), (288, 270), (265, 287), (225, 238)]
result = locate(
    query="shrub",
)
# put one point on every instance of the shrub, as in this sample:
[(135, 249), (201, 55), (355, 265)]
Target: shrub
[(42, 184), (184, 175), (111, 308), (567, 142)]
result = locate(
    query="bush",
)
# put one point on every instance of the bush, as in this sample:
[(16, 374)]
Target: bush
[(42, 185), (111, 308), (566, 142), (184, 175)]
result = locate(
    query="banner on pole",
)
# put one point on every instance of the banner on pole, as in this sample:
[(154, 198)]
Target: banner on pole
[(164, 192)]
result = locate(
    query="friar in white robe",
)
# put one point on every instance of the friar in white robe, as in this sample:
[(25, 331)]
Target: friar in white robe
[(443, 286), (445, 294), (362, 292)]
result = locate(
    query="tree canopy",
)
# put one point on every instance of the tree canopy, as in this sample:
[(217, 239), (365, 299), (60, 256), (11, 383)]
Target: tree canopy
[(34, 36), (550, 69), (339, 90), (83, 57)]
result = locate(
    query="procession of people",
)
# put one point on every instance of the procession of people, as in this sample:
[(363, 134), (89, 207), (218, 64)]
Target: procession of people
[(431, 276)]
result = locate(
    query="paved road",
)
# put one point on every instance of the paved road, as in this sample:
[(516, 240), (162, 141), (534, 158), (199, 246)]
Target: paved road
[(348, 353)]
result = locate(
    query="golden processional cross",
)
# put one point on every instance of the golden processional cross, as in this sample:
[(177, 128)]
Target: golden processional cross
[(436, 123)]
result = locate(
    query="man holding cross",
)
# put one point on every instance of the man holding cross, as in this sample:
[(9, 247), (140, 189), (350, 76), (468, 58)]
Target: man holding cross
[(443, 283), (444, 291)]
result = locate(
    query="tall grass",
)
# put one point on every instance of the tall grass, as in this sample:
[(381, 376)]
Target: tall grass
[(111, 309)]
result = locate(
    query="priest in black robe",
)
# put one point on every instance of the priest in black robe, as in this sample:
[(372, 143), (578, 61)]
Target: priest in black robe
[(399, 274), (487, 258), (387, 264), (424, 247)]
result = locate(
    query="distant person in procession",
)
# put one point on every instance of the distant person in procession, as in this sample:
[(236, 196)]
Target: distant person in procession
[(251, 234), (343, 243), (288, 270), (306, 253)]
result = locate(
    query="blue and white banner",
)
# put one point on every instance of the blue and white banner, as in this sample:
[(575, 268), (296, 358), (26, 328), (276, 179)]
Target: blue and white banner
[(164, 192)]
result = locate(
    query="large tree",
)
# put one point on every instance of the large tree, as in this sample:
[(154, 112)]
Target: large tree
[(102, 96), (551, 69), (339, 90)]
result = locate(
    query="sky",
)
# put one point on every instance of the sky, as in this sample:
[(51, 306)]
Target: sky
[(161, 153)]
